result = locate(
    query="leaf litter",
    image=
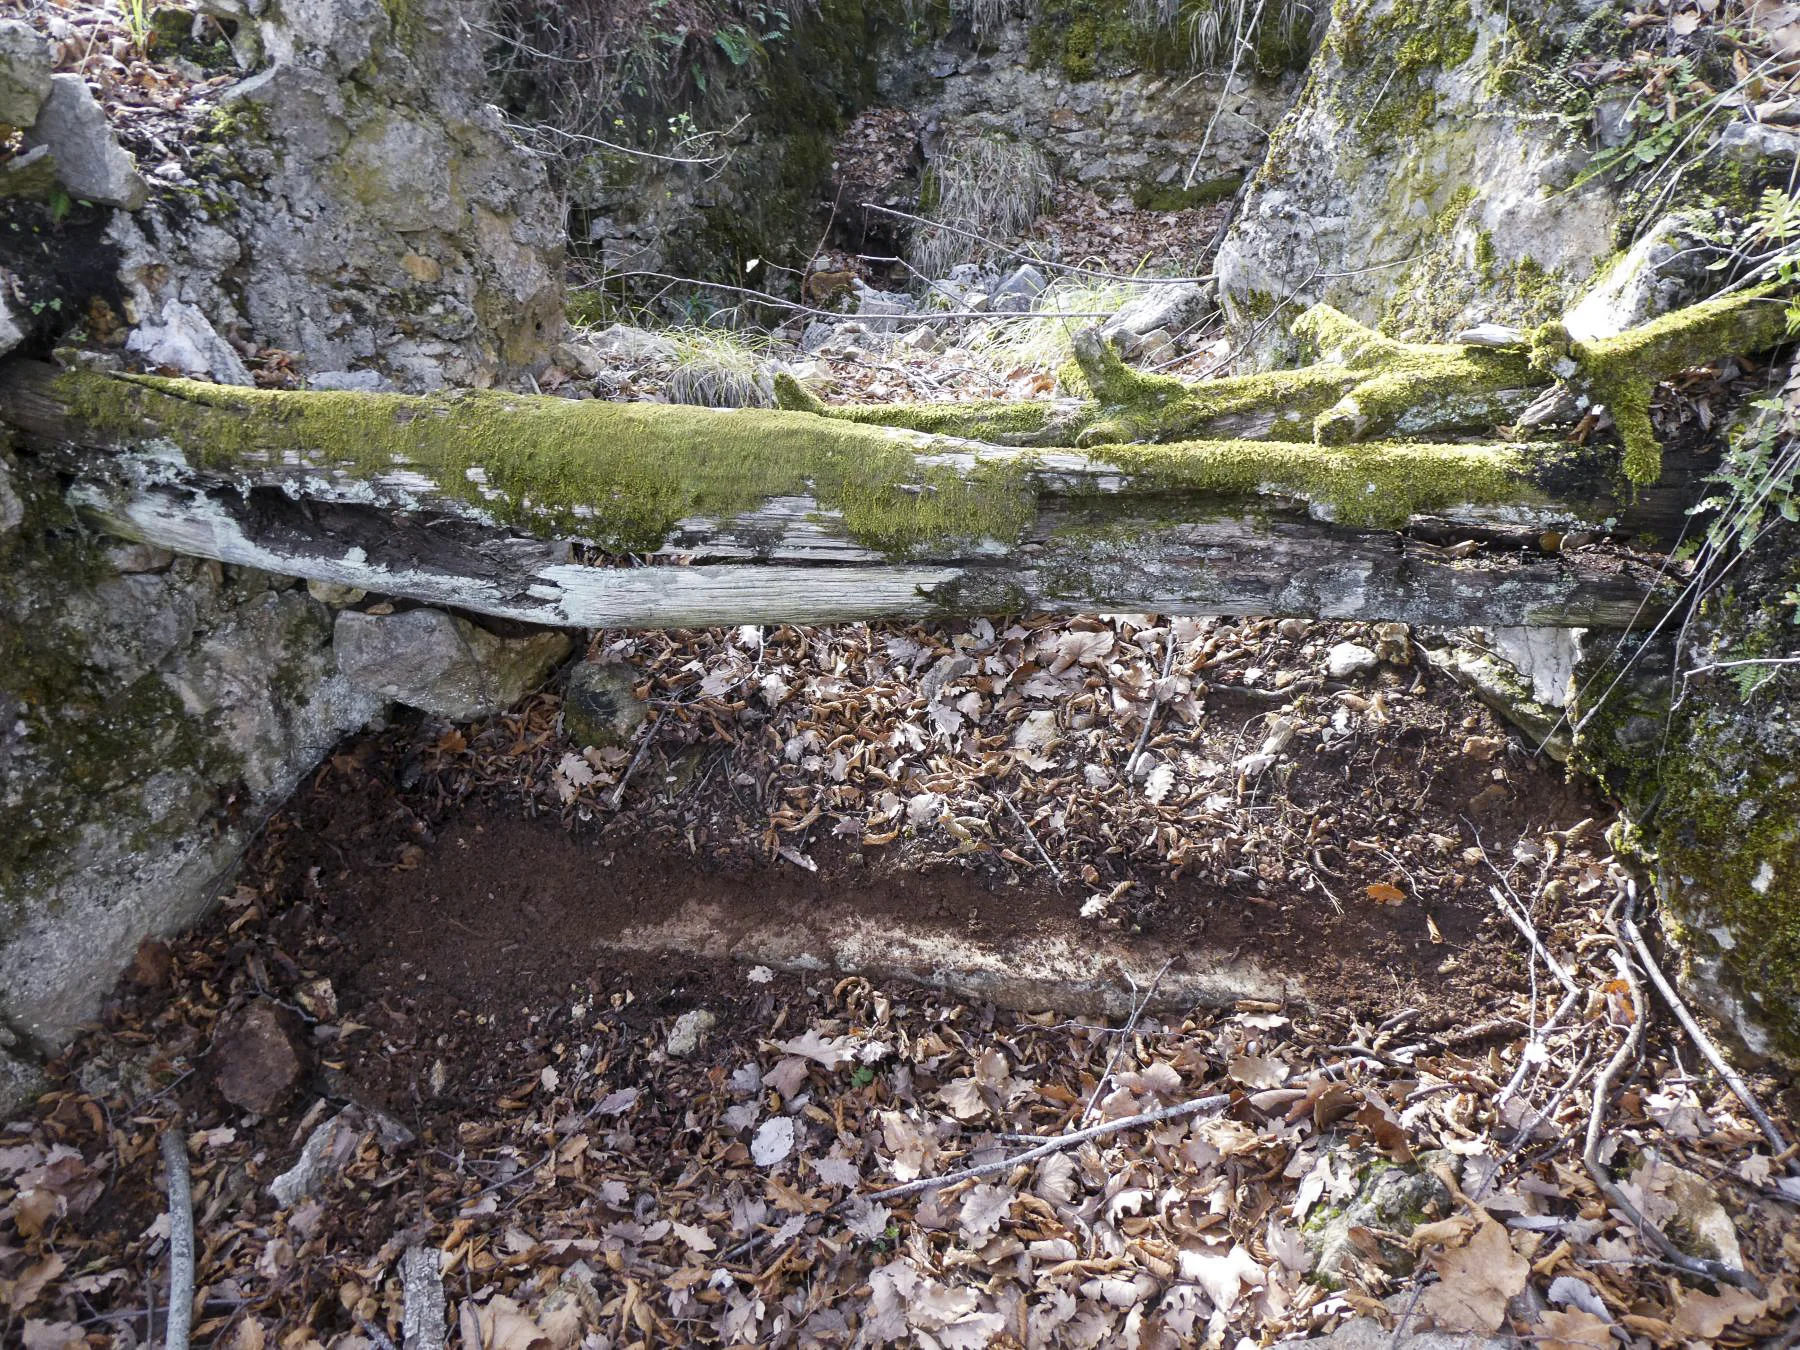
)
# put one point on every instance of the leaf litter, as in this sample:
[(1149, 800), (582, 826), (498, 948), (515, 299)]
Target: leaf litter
[(580, 1186)]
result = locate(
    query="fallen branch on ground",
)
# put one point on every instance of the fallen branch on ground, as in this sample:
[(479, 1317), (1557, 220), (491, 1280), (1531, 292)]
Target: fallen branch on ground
[(1699, 1267), (1740, 1089), (181, 1236)]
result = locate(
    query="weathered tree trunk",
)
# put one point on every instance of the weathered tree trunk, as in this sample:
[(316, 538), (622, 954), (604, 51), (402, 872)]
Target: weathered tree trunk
[(597, 514)]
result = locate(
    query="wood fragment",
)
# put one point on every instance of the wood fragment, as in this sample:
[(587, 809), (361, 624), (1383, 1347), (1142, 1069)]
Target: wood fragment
[(181, 1236), (422, 1321)]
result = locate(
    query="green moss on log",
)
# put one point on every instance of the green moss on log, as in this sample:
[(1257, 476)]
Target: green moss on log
[(619, 474), (1376, 486), (1622, 371)]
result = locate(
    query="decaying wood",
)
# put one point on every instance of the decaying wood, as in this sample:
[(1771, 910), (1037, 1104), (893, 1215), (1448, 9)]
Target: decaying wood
[(598, 514)]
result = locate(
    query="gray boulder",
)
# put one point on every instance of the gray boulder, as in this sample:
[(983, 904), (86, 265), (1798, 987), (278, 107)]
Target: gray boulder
[(1174, 308), (90, 163), (183, 338), (440, 664), (25, 67)]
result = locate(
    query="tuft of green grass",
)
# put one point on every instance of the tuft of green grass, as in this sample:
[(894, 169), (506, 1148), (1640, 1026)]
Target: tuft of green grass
[(716, 368)]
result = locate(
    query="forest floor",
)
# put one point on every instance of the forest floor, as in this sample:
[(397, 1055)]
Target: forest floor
[(605, 1146)]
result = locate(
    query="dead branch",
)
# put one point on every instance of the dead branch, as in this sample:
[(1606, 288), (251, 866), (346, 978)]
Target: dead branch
[(1699, 1267), (181, 1236), (1740, 1089)]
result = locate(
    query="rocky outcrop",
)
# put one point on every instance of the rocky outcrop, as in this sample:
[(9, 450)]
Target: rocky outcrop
[(152, 709), (353, 201), (1401, 191)]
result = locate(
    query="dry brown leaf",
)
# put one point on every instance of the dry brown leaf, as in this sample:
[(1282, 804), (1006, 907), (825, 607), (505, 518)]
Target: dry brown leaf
[(1707, 1315), (1573, 1329), (1383, 893), (1476, 1278)]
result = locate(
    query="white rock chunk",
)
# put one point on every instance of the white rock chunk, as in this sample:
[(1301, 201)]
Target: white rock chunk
[(90, 162), (689, 1030), (1348, 659), (184, 338)]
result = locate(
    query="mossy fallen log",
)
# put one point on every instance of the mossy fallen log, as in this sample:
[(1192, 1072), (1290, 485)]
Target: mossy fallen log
[(504, 503), (1362, 386)]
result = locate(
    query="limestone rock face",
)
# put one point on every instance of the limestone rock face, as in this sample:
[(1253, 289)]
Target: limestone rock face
[(380, 218), (151, 711), (441, 664), (90, 163), (25, 66), (1399, 190)]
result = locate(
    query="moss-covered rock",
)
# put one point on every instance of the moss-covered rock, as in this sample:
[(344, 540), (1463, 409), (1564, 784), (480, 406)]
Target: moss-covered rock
[(151, 710), (1401, 191), (1705, 755)]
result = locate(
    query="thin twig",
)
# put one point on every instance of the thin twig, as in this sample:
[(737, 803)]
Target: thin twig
[(1137, 1011), (1738, 1086), (1590, 1153), (1179, 1111), (637, 759), (181, 1237), (1155, 703), (1161, 1116), (1055, 871)]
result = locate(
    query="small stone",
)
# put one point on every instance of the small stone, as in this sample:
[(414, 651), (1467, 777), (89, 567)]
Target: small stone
[(328, 1151), (184, 338), (26, 64), (351, 381), (1019, 289), (441, 664), (134, 558), (1393, 643), (689, 1030), (601, 707), (317, 998), (336, 595), (1292, 629), (258, 1060), (1155, 347), (90, 162), (925, 339), (1348, 659)]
